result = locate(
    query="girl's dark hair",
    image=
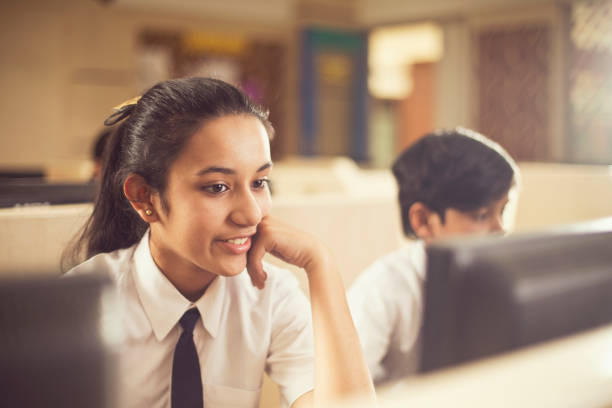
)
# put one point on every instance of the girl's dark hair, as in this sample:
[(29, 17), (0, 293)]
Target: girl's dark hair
[(146, 143), (457, 169)]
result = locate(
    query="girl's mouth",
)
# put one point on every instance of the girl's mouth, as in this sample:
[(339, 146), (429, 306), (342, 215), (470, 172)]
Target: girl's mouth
[(237, 241), (237, 246)]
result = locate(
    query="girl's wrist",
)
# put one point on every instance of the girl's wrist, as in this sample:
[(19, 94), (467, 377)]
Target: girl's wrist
[(321, 261)]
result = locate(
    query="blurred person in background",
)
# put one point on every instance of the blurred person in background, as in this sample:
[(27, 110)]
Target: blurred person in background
[(451, 183), (97, 152)]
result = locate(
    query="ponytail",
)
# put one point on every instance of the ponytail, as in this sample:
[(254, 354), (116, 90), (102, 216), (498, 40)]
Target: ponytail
[(113, 223)]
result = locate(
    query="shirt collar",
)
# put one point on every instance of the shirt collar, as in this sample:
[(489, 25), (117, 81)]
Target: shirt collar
[(163, 304), (211, 305)]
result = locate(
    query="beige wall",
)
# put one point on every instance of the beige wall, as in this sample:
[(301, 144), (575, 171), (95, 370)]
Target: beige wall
[(554, 194), (65, 63), (376, 12)]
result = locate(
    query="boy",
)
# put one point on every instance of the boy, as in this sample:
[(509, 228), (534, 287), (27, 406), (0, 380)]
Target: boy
[(450, 183)]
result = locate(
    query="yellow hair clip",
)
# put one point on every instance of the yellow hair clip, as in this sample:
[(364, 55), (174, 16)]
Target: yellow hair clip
[(132, 101), (121, 111)]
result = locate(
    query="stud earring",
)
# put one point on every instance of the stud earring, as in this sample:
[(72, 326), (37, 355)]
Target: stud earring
[(148, 211)]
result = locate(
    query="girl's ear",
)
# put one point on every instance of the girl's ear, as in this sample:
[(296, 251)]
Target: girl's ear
[(140, 196), (421, 218)]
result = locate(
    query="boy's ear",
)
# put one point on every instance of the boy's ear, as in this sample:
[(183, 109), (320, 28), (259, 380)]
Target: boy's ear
[(140, 196), (420, 220)]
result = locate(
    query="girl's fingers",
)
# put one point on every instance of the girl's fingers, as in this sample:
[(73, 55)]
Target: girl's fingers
[(254, 262), (282, 241)]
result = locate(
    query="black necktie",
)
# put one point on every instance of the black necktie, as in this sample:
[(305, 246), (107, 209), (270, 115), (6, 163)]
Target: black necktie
[(186, 378)]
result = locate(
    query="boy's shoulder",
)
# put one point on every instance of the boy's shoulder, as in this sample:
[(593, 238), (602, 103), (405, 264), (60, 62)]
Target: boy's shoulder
[(409, 259), (404, 267)]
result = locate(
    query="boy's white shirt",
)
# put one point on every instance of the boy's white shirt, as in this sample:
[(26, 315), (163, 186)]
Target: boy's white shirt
[(386, 302), (242, 332)]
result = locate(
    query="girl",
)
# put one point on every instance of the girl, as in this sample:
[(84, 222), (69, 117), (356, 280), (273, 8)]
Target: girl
[(181, 225)]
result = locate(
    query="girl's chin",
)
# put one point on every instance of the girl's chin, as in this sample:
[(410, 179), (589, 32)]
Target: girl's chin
[(231, 270), (229, 274), (222, 268)]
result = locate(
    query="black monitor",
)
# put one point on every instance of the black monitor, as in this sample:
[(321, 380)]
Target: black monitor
[(41, 192), (21, 174), (490, 295), (53, 351)]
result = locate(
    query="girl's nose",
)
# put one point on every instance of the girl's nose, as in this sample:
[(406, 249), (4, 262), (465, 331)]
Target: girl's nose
[(247, 210)]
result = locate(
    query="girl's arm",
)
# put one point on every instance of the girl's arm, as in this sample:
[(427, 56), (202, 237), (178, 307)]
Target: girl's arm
[(340, 368)]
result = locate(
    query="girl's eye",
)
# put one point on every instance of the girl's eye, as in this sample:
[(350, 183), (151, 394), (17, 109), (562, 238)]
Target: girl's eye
[(215, 188), (261, 183)]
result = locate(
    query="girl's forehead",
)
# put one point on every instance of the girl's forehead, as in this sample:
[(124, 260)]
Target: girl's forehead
[(236, 140)]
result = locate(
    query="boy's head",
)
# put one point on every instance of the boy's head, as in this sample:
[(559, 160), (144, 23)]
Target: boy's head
[(453, 183)]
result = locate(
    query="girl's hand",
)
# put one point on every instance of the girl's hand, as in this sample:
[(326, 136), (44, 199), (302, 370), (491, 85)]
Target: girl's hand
[(286, 243), (340, 367)]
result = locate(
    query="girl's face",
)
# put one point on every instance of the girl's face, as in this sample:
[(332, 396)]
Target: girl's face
[(217, 193)]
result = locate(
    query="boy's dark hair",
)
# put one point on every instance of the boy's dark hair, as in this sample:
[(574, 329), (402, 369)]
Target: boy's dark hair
[(457, 169)]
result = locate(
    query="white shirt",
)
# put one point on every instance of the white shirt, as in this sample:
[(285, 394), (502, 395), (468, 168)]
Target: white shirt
[(242, 332), (386, 301)]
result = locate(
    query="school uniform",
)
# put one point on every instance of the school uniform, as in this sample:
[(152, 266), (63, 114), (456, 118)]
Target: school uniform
[(242, 332), (386, 302)]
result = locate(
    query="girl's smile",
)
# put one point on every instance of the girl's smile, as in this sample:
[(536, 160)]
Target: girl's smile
[(237, 246)]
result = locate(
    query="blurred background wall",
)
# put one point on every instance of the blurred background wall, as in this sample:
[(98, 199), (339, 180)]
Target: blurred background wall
[(353, 78), (349, 83)]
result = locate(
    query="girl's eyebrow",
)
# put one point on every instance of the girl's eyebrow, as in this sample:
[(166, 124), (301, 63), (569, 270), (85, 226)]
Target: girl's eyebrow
[(264, 167), (226, 170)]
